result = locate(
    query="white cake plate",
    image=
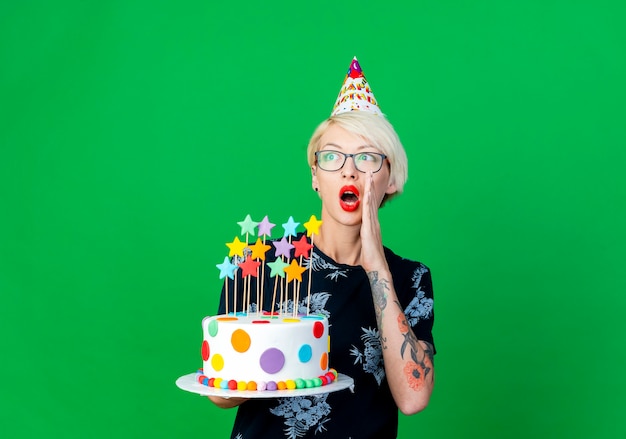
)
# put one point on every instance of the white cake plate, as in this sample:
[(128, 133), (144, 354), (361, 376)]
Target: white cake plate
[(191, 384)]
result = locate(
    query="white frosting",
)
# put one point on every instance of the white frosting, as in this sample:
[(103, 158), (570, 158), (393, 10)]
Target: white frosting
[(278, 349)]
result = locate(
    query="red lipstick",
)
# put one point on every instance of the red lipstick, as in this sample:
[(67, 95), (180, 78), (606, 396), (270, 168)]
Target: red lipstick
[(349, 198)]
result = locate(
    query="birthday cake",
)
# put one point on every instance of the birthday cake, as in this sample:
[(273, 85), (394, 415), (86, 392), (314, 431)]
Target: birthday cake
[(250, 352), (248, 348)]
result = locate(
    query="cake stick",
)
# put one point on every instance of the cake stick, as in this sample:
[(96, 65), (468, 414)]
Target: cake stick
[(287, 289), (294, 272), (312, 227), (282, 297), (296, 304), (290, 230), (296, 286), (249, 268), (236, 249), (257, 252), (302, 248), (244, 283), (274, 298), (265, 230), (247, 302), (277, 270), (227, 270), (283, 249), (247, 228), (261, 299), (282, 293), (235, 296), (308, 290), (258, 293)]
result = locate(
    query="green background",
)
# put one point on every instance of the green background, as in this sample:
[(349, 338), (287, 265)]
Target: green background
[(135, 134)]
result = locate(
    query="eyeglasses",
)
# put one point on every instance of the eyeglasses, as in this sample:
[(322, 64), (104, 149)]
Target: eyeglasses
[(363, 161)]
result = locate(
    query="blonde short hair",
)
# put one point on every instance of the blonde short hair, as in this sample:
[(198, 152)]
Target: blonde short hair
[(377, 130)]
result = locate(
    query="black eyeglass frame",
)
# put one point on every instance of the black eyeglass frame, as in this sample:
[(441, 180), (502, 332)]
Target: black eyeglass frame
[(345, 158)]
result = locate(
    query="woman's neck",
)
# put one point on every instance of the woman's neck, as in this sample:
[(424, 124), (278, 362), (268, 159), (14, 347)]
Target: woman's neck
[(340, 243)]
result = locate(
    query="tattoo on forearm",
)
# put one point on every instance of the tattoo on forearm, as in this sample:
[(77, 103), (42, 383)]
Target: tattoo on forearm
[(380, 287), (419, 355)]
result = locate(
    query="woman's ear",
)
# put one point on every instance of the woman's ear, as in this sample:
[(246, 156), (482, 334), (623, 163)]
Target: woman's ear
[(391, 188), (314, 184)]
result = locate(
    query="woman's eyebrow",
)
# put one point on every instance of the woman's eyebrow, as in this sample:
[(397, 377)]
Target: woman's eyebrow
[(360, 147)]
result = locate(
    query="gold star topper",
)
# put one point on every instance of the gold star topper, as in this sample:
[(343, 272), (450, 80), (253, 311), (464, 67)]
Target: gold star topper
[(312, 226), (294, 271), (236, 247)]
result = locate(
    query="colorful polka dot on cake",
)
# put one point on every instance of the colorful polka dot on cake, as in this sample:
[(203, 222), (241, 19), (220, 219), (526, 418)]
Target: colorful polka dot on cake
[(213, 328), (305, 353), (205, 350), (272, 360), (217, 362), (240, 340), (324, 361), (318, 329)]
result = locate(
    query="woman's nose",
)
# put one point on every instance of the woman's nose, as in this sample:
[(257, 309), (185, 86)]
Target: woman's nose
[(349, 168)]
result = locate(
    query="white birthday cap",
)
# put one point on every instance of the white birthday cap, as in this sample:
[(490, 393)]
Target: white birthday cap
[(355, 93)]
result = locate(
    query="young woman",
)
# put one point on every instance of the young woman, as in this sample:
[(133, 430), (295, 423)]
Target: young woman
[(380, 305)]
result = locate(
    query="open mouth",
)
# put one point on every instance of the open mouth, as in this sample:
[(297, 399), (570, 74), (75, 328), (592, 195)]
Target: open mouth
[(349, 198)]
